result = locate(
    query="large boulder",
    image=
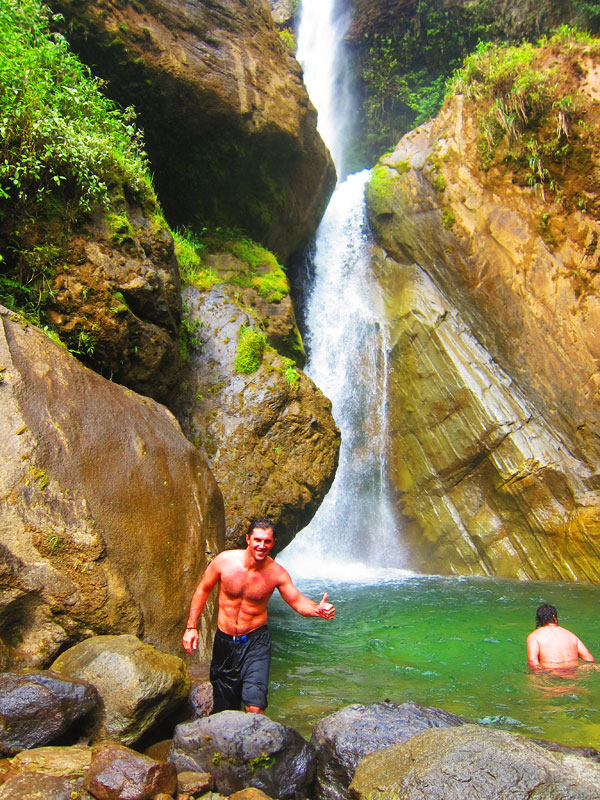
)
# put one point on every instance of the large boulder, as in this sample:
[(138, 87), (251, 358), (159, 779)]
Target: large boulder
[(473, 763), (107, 512), (137, 684), (494, 360), (268, 435), (246, 750), (115, 296), (229, 128), (343, 739), (37, 707)]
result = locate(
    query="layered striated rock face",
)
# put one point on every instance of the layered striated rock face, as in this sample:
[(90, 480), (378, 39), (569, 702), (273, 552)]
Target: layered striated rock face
[(107, 513), (487, 486), (268, 434), (492, 292), (228, 125)]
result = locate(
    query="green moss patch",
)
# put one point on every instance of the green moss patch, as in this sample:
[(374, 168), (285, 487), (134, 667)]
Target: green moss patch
[(250, 350)]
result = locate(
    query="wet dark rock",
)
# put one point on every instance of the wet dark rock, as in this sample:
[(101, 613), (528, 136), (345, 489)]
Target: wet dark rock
[(342, 739), (246, 750), (37, 707)]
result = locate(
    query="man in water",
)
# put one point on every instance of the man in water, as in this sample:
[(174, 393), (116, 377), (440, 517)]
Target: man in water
[(239, 671), (552, 646)]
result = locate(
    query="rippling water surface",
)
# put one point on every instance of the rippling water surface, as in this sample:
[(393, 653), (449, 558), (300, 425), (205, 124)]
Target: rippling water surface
[(458, 644)]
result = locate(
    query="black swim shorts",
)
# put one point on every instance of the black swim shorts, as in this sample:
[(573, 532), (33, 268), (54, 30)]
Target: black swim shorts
[(239, 670)]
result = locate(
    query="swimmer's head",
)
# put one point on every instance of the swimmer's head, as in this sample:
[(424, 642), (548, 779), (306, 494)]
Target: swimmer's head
[(545, 615)]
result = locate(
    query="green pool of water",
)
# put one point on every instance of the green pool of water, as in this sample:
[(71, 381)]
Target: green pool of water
[(457, 644)]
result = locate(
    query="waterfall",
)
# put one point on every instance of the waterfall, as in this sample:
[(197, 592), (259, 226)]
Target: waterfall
[(354, 529)]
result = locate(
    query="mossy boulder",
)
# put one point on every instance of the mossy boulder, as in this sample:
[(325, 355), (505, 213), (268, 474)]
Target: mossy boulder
[(264, 427)]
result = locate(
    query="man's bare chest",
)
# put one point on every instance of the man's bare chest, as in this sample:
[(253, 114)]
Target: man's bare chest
[(253, 587)]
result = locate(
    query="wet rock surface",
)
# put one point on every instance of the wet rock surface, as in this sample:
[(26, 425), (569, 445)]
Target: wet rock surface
[(117, 773), (343, 739), (246, 750), (473, 763)]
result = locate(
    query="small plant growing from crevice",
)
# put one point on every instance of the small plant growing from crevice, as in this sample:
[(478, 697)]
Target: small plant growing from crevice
[(250, 350)]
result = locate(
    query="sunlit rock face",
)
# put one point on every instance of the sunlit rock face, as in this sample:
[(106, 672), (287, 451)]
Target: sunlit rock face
[(108, 515), (495, 363), (227, 121), (487, 487)]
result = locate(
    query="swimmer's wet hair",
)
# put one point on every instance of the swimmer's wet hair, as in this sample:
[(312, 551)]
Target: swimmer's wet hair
[(544, 615), (262, 524)]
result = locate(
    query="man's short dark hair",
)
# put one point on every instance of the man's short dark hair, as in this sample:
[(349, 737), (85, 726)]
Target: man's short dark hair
[(544, 615), (262, 524)]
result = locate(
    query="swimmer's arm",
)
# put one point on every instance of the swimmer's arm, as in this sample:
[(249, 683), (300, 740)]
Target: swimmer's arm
[(583, 652), (302, 604), (533, 652), (209, 581)]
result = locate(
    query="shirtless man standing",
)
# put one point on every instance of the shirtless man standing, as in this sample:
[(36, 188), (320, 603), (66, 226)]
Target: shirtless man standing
[(239, 670), (552, 646)]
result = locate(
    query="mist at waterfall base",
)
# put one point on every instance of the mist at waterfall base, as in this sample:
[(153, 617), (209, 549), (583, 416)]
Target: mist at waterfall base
[(453, 643)]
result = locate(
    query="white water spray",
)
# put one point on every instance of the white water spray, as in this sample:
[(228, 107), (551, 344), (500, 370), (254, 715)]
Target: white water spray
[(353, 535)]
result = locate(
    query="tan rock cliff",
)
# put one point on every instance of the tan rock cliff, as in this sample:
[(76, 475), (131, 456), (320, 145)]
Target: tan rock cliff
[(498, 449), (228, 125), (269, 436), (107, 513)]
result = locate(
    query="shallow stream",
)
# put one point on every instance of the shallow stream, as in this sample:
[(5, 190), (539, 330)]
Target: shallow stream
[(453, 643)]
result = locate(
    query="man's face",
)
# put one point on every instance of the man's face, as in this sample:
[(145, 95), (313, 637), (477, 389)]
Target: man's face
[(260, 543)]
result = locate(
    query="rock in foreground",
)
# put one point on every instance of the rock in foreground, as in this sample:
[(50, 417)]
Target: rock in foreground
[(473, 763), (94, 481), (342, 739), (137, 684), (246, 750), (37, 707)]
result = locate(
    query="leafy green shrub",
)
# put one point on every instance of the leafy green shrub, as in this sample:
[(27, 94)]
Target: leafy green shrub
[(250, 350), (288, 37), (530, 114), (63, 147), (57, 131)]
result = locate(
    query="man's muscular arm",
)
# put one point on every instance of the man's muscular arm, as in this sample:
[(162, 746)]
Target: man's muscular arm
[(302, 604), (208, 582)]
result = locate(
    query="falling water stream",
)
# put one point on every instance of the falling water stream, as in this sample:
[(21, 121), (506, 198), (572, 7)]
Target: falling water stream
[(455, 643), (346, 338)]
